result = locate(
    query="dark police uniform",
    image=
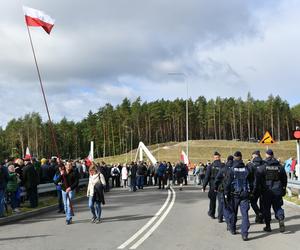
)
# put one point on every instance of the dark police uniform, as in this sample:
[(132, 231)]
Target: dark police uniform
[(238, 189), (210, 177), (272, 180), (253, 166), (220, 183)]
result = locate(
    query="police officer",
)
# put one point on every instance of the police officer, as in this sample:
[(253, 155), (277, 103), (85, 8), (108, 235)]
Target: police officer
[(237, 188), (272, 180), (253, 166), (220, 183), (210, 176)]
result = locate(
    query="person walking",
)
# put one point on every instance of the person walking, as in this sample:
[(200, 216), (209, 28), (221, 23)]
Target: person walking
[(96, 182), (133, 170), (272, 180), (161, 174), (30, 182), (237, 190), (211, 173), (255, 164), (68, 180), (11, 189), (3, 182), (124, 173)]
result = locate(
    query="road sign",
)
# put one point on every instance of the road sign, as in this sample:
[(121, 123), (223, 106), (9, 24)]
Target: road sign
[(296, 134), (267, 139)]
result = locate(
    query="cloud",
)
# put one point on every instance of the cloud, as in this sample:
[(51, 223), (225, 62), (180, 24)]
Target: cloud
[(102, 51)]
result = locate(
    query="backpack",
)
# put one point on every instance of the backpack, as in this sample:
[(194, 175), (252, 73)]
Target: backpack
[(115, 171), (240, 182), (178, 168)]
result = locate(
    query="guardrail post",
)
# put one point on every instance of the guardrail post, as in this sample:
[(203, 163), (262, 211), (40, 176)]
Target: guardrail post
[(289, 191)]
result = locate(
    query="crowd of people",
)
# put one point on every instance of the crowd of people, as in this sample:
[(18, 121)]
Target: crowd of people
[(260, 183), (28, 173), (234, 184)]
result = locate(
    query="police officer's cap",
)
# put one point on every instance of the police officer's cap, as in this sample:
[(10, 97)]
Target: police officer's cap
[(269, 152), (216, 153), (237, 154), (256, 152)]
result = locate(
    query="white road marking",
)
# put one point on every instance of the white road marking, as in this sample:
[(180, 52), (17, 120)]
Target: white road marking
[(138, 233), (156, 225)]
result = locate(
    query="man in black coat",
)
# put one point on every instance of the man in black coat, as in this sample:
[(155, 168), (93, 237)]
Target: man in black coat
[(253, 167), (272, 181), (211, 173), (30, 182)]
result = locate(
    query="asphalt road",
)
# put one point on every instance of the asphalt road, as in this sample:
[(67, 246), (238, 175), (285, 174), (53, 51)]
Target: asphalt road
[(147, 219)]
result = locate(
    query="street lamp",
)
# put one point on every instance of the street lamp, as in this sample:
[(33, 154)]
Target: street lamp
[(131, 140), (187, 107)]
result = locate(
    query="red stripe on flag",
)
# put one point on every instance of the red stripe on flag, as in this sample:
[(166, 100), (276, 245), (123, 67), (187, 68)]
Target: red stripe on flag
[(30, 21)]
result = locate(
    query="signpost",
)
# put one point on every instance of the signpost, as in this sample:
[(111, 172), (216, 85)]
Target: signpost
[(267, 139), (296, 135)]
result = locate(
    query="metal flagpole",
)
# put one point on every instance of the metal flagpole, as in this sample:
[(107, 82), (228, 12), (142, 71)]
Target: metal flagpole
[(43, 92)]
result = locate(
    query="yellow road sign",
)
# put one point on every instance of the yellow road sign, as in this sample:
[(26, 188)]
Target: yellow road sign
[(267, 139)]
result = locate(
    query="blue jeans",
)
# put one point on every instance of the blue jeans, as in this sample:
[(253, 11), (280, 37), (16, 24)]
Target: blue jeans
[(133, 184), (67, 203), (2, 193), (59, 199), (140, 181), (95, 207)]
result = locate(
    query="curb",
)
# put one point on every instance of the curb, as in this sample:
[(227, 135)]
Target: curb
[(292, 204), (25, 215)]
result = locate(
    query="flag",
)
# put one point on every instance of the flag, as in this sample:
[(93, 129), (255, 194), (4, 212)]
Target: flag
[(27, 154), (38, 18), (184, 158)]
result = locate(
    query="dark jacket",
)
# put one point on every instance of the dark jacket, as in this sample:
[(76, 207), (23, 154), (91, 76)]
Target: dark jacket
[(271, 177), (99, 193), (161, 171), (30, 176), (133, 171), (238, 180), (68, 180), (211, 174), (222, 177), (3, 177)]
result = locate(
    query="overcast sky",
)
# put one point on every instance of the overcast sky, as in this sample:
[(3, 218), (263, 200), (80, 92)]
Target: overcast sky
[(102, 51)]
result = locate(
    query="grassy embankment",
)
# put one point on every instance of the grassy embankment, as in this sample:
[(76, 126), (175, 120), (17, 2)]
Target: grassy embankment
[(203, 150)]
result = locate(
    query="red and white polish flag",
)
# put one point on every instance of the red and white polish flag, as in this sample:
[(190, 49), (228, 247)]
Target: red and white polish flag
[(38, 18), (27, 154), (184, 158)]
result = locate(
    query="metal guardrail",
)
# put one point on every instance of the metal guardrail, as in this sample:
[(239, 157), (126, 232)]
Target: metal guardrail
[(50, 187), (295, 185)]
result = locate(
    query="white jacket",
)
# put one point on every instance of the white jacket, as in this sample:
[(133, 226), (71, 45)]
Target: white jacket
[(124, 173), (93, 179)]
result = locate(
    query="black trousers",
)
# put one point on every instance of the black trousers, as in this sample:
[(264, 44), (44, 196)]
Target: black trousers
[(32, 196), (212, 195), (257, 209), (162, 181)]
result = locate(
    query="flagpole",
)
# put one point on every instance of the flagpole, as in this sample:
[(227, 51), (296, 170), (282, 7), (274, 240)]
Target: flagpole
[(43, 92)]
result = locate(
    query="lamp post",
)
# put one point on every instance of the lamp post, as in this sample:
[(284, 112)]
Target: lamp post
[(186, 107), (131, 140)]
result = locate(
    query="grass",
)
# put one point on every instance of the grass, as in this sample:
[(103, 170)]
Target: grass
[(44, 201), (202, 150), (293, 199)]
